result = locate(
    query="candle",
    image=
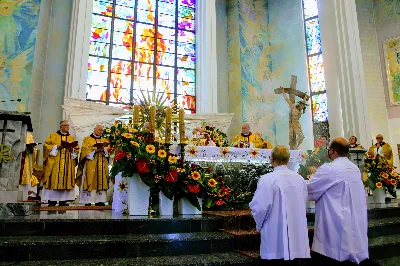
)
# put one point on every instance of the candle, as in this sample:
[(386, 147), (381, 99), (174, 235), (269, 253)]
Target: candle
[(136, 115), (168, 122), (182, 125), (152, 118)]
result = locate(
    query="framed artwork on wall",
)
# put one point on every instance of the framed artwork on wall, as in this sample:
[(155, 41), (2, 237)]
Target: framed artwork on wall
[(391, 48)]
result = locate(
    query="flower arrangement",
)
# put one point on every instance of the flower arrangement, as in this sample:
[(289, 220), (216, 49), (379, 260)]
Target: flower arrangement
[(314, 159), (379, 173), (217, 135), (138, 152)]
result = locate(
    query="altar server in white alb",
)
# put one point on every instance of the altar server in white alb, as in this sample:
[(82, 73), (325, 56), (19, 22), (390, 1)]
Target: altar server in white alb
[(340, 230), (279, 210)]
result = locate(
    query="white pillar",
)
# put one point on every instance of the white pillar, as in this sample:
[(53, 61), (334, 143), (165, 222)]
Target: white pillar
[(344, 72), (206, 57)]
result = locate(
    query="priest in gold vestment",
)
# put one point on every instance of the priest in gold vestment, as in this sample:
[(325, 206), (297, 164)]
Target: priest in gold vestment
[(248, 137), (92, 177), (27, 162), (381, 148), (59, 157)]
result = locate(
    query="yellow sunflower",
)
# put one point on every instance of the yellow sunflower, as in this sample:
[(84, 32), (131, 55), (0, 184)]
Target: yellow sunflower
[(150, 149), (196, 175), (162, 154), (127, 135), (212, 182), (134, 143), (172, 159), (133, 130), (108, 130), (378, 184), (384, 175)]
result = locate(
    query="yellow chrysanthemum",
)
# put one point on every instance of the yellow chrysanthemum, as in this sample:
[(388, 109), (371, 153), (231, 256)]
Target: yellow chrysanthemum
[(172, 159), (150, 149), (133, 130), (108, 130), (127, 135), (196, 175), (115, 125), (162, 154), (378, 184), (212, 182), (134, 143)]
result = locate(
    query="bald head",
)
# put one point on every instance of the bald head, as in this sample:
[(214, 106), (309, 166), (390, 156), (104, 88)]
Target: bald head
[(341, 146), (98, 130), (245, 128)]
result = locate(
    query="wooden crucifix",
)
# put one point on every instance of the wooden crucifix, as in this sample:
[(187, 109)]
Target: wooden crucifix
[(295, 133)]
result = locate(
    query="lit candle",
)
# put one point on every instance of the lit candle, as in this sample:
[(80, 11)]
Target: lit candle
[(136, 115), (152, 118), (168, 123), (182, 125)]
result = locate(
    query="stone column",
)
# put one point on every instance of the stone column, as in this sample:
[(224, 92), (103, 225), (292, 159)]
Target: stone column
[(344, 72), (206, 57)]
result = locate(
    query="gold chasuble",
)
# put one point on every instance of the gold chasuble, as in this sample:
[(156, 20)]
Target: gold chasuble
[(27, 162), (254, 138), (96, 170), (59, 170), (384, 150)]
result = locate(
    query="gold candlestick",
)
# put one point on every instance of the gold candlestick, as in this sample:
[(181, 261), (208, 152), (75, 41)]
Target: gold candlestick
[(136, 115), (152, 118), (168, 123), (182, 125)]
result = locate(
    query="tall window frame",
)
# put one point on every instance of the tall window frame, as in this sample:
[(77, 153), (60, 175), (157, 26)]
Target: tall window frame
[(170, 70), (315, 69)]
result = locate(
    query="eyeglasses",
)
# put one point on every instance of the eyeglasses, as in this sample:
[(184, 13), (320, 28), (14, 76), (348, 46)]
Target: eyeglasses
[(379, 138)]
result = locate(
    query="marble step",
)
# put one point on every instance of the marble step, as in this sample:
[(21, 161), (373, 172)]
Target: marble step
[(393, 261), (23, 248), (128, 225), (230, 258), (384, 227), (384, 247)]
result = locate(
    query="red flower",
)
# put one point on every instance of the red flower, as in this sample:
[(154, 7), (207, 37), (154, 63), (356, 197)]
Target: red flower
[(147, 140), (142, 166), (193, 165), (172, 176), (208, 170), (120, 155), (219, 202), (194, 188)]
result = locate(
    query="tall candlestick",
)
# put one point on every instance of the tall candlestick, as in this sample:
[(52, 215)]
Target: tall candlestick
[(182, 125), (168, 123), (152, 118), (136, 115)]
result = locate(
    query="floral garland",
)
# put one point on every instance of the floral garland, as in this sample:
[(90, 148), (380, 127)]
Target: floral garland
[(314, 159), (379, 173), (137, 152)]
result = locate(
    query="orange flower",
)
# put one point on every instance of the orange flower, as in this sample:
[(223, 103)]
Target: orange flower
[(393, 182), (219, 202), (384, 175), (221, 193), (212, 182), (378, 184), (196, 175)]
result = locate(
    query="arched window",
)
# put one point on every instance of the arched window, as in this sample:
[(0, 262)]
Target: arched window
[(142, 46), (315, 63)]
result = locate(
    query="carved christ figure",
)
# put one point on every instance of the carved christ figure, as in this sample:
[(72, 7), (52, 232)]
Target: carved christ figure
[(296, 110)]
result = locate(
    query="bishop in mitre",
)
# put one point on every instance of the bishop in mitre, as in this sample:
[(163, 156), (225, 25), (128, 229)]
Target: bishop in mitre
[(27, 181), (59, 157), (248, 137), (92, 177), (381, 148)]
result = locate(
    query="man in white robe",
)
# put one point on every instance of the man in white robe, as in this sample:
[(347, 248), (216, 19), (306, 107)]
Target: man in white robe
[(341, 224), (279, 210)]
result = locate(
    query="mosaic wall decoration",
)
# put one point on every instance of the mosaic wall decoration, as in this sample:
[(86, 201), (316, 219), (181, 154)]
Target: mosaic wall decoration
[(142, 45), (18, 29)]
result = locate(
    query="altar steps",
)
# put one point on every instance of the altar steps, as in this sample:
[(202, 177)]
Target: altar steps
[(104, 238), (216, 259)]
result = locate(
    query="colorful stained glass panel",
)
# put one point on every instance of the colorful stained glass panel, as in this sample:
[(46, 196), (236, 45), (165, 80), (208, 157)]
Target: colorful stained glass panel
[(317, 77), (143, 70), (96, 78), (145, 30), (124, 12), (166, 59), (166, 7), (188, 3), (96, 93), (186, 36), (122, 52), (103, 7), (123, 26), (186, 48), (310, 8), (186, 101), (129, 3), (99, 49), (144, 55), (122, 39), (185, 24), (186, 61), (143, 83), (185, 75), (313, 36), (98, 63), (166, 20), (147, 4), (100, 35), (166, 33), (146, 16), (320, 108), (101, 22), (165, 85), (121, 67), (185, 87), (166, 46)]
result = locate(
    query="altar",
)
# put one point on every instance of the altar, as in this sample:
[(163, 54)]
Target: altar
[(240, 168)]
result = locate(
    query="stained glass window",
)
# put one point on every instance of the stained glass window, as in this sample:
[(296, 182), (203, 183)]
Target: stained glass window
[(316, 73), (142, 45)]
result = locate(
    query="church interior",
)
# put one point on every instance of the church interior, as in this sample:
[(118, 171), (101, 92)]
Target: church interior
[(135, 132)]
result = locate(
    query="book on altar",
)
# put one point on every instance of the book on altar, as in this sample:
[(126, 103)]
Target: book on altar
[(100, 145), (32, 145), (69, 145)]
